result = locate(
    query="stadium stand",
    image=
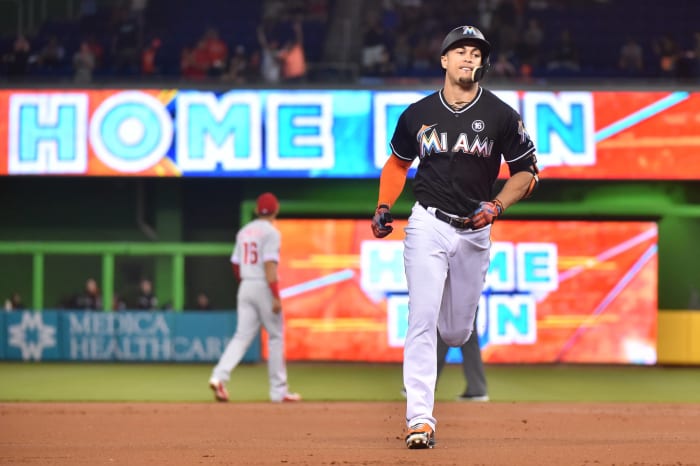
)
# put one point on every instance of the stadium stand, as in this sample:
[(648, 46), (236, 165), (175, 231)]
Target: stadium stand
[(335, 31)]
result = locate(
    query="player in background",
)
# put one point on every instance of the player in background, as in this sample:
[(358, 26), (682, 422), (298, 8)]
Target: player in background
[(472, 367), (255, 259), (460, 134)]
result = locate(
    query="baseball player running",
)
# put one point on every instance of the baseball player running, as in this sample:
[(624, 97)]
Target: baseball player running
[(255, 258), (459, 134)]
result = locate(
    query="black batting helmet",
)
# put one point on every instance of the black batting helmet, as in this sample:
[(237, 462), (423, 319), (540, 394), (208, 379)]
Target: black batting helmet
[(469, 33)]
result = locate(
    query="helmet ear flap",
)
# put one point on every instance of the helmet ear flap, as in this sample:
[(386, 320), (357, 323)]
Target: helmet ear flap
[(480, 71)]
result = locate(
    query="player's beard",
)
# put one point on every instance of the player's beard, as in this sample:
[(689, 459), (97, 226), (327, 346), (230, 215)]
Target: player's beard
[(465, 81)]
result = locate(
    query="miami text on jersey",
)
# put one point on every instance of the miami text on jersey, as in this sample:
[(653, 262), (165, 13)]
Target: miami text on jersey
[(433, 142)]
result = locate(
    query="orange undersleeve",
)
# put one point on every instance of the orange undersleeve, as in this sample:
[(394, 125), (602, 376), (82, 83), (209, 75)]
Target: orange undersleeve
[(392, 180)]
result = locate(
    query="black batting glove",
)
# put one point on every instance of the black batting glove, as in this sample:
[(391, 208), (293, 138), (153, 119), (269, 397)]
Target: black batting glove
[(380, 221)]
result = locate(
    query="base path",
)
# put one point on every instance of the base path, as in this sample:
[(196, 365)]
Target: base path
[(347, 433)]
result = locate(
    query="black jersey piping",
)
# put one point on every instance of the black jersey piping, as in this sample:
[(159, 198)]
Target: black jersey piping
[(399, 155), (447, 106)]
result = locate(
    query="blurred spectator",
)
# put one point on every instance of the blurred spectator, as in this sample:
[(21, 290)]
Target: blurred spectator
[(188, 70), (126, 42), (194, 62), (525, 72), (503, 68), (200, 57), (531, 44), (504, 27), (83, 63), (270, 66), (97, 50), (694, 54), (565, 56), (238, 67), (401, 30), (688, 66), (666, 52), (150, 65), (146, 300), (17, 60), (293, 58), (90, 299), (373, 45), (422, 58), (51, 55), (485, 12), (403, 53), (14, 302), (203, 303), (253, 67), (217, 52), (631, 57), (385, 67), (118, 303)]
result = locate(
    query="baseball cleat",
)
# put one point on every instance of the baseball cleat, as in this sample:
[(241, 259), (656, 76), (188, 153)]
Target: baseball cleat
[(420, 436), (291, 398), (465, 397), (219, 390)]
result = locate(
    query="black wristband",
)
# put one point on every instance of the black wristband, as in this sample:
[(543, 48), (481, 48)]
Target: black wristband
[(384, 206)]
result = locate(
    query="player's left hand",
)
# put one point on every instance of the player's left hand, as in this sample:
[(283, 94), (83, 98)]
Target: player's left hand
[(276, 305), (380, 221), (486, 214)]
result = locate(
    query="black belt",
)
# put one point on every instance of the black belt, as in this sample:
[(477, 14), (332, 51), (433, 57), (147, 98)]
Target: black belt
[(463, 223)]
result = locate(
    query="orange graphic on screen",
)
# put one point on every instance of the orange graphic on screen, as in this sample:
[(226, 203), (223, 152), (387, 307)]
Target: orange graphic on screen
[(603, 309)]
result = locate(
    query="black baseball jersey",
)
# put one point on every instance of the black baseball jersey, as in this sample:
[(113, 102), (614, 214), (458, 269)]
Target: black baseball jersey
[(460, 150)]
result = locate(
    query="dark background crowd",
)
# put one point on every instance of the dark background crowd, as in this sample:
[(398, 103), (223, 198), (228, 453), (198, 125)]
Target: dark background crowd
[(315, 41), (139, 298)]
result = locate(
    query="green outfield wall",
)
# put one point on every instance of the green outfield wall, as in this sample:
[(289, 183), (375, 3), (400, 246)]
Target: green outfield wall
[(180, 232)]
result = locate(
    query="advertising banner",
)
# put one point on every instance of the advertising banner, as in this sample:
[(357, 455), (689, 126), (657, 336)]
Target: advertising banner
[(119, 336), (556, 291), (326, 133)]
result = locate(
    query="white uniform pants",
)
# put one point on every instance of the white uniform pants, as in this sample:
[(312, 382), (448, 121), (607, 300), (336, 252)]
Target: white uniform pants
[(445, 270), (255, 309)]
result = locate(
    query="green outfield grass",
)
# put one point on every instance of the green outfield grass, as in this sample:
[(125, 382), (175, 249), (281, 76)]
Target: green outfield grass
[(341, 382)]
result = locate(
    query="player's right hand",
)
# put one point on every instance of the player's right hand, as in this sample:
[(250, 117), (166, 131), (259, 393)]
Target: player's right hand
[(276, 305), (380, 221), (486, 214)]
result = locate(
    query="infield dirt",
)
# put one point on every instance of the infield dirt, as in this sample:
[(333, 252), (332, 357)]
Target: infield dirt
[(347, 433)]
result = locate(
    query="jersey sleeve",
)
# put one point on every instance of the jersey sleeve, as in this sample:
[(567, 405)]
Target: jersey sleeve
[(519, 150), (236, 254), (403, 142)]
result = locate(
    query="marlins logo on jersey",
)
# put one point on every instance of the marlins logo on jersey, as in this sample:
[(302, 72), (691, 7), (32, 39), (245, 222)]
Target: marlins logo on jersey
[(432, 142), (522, 132)]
